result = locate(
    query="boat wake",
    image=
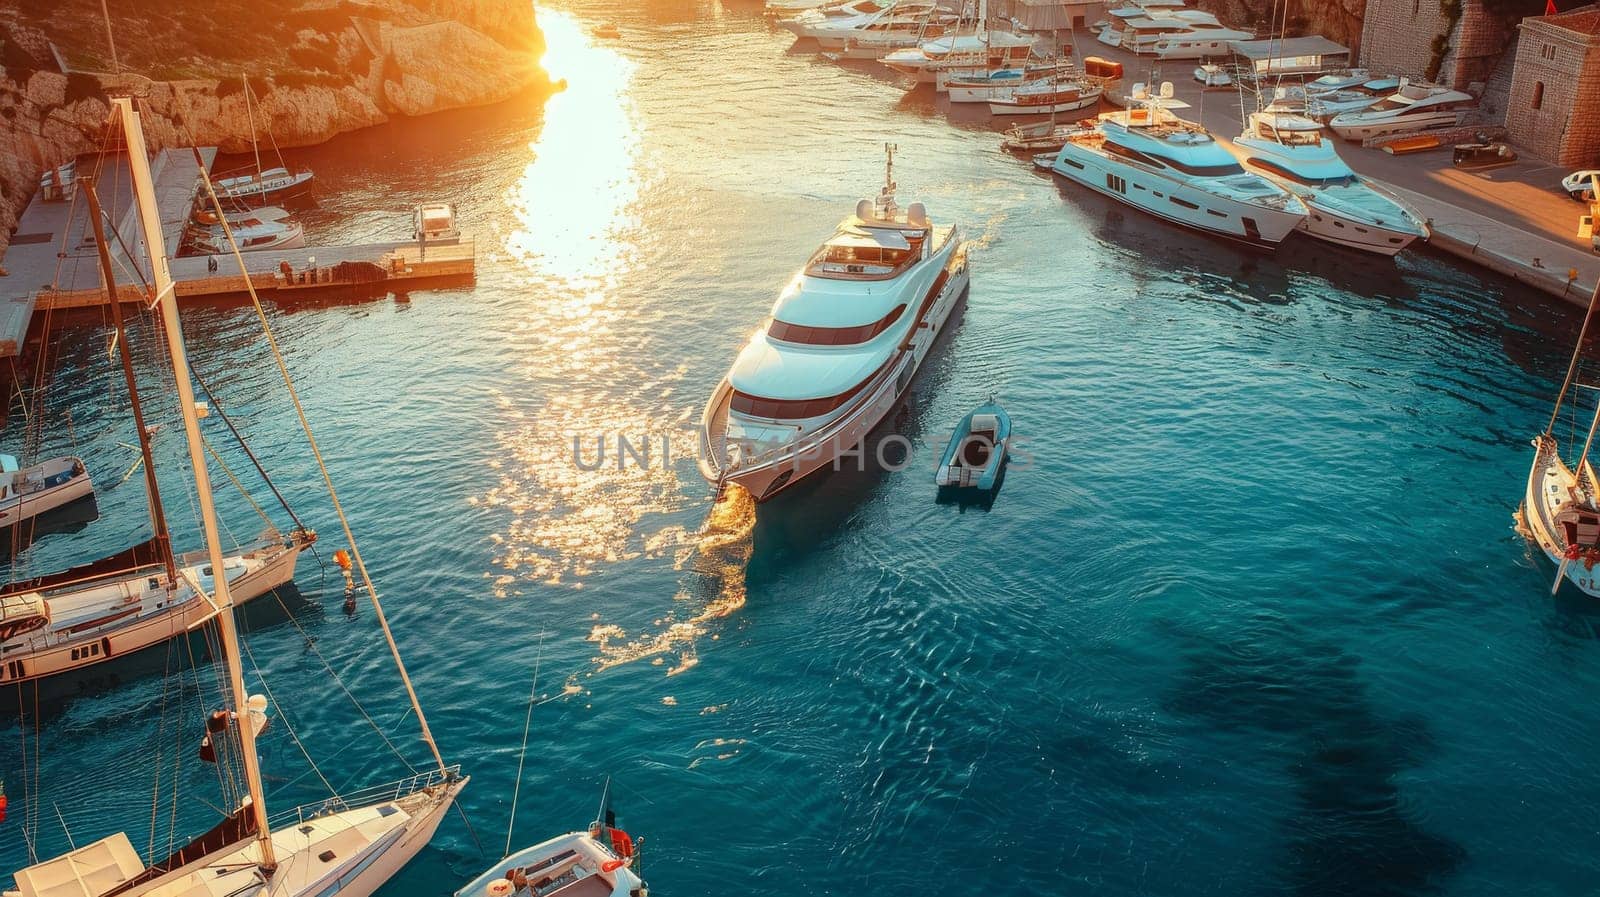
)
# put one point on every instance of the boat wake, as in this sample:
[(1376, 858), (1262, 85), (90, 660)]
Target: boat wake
[(716, 558)]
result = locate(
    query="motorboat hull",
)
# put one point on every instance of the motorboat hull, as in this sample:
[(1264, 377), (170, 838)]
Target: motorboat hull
[(836, 442), (1325, 223), (1366, 130), (591, 854)]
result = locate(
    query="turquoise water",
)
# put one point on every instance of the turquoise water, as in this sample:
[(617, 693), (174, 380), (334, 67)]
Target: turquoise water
[(1254, 621)]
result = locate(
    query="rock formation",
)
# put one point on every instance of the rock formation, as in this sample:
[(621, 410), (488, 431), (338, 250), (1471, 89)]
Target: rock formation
[(316, 72)]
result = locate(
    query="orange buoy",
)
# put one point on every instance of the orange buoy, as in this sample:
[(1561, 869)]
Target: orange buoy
[(342, 558), (612, 865)]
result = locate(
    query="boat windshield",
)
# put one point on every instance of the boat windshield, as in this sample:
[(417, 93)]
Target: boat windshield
[(800, 409), (1343, 180), (866, 254)]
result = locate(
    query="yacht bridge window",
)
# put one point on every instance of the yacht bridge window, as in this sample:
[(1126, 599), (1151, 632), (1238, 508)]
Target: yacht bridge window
[(833, 336), (800, 409), (1268, 165), (867, 253)]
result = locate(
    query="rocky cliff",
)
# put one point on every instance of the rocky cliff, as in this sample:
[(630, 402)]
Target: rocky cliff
[(1337, 20), (314, 70)]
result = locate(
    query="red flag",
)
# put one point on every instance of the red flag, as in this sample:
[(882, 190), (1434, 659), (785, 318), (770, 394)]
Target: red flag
[(2, 801), (1550, 7)]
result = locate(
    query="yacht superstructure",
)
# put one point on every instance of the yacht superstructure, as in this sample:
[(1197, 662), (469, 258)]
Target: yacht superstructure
[(841, 346), (1411, 108), (1342, 206)]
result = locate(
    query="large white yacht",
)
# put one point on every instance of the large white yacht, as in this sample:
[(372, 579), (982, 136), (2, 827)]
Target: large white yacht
[(844, 339), (1343, 207), (897, 29), (1150, 159), (1411, 108), (1189, 34)]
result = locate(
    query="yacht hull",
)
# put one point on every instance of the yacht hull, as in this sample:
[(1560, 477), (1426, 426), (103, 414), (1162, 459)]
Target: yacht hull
[(1539, 517), (1180, 203), (1328, 225), (26, 507), (835, 445), (1359, 131)]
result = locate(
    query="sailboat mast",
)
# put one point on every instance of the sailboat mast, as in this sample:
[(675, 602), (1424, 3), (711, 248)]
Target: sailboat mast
[(255, 143), (155, 248), (1572, 366), (158, 516)]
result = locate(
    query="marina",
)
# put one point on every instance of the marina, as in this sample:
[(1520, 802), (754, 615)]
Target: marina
[(38, 279), (854, 504)]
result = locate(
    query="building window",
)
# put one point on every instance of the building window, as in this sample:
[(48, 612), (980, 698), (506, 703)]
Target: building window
[(1538, 94)]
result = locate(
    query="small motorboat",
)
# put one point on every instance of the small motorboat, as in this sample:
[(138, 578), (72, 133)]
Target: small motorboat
[(977, 450), (608, 31), (1483, 154), (601, 862), (1213, 75), (30, 492)]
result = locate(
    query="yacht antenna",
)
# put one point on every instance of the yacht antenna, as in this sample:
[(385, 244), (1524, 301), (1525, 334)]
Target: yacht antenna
[(888, 168), (161, 283)]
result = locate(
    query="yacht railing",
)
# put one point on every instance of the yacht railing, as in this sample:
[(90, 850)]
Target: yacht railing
[(375, 794)]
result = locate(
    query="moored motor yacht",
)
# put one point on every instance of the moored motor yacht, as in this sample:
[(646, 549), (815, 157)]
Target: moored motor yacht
[(841, 346), (1342, 206), (1411, 108), (272, 185), (1191, 34), (899, 26), (825, 20), (1150, 159)]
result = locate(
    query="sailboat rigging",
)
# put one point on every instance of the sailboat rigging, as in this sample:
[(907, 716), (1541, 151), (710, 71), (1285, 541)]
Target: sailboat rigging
[(350, 845)]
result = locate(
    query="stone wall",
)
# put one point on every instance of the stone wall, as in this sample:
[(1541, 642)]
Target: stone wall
[(1557, 71), (1398, 36)]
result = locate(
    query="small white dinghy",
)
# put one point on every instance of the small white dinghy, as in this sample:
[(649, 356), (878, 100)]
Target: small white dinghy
[(28, 492), (1213, 75), (601, 862)]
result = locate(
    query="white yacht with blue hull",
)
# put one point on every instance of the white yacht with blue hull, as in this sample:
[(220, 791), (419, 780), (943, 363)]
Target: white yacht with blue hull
[(1343, 207), (1150, 159), (843, 343)]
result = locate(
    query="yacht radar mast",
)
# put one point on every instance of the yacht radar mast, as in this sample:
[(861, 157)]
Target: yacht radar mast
[(885, 209)]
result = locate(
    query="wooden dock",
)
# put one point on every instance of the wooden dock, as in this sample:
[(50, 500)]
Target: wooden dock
[(53, 263)]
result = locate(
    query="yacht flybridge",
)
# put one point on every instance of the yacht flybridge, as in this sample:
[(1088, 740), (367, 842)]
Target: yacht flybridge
[(1150, 159), (1343, 207), (841, 346)]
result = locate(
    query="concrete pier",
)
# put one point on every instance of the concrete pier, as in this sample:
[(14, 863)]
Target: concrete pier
[(52, 262)]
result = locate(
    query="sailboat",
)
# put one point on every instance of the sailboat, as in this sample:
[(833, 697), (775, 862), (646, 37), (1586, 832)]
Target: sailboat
[(263, 186), (1559, 511), (350, 845), (64, 622)]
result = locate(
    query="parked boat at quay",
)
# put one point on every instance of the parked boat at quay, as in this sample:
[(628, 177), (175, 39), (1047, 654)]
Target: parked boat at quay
[(983, 86), (1324, 104), (1150, 159), (841, 346), (1411, 108), (970, 48), (1342, 206), (906, 24)]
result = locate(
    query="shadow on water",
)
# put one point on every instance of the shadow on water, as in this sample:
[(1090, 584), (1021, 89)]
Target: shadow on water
[(1350, 832), (73, 517), (48, 699)]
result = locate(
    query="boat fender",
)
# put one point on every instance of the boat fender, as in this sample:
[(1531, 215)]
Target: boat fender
[(1574, 552), (612, 865), (500, 887)]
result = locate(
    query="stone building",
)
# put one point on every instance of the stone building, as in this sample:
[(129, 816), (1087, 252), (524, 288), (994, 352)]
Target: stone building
[(1400, 36), (1554, 108)]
